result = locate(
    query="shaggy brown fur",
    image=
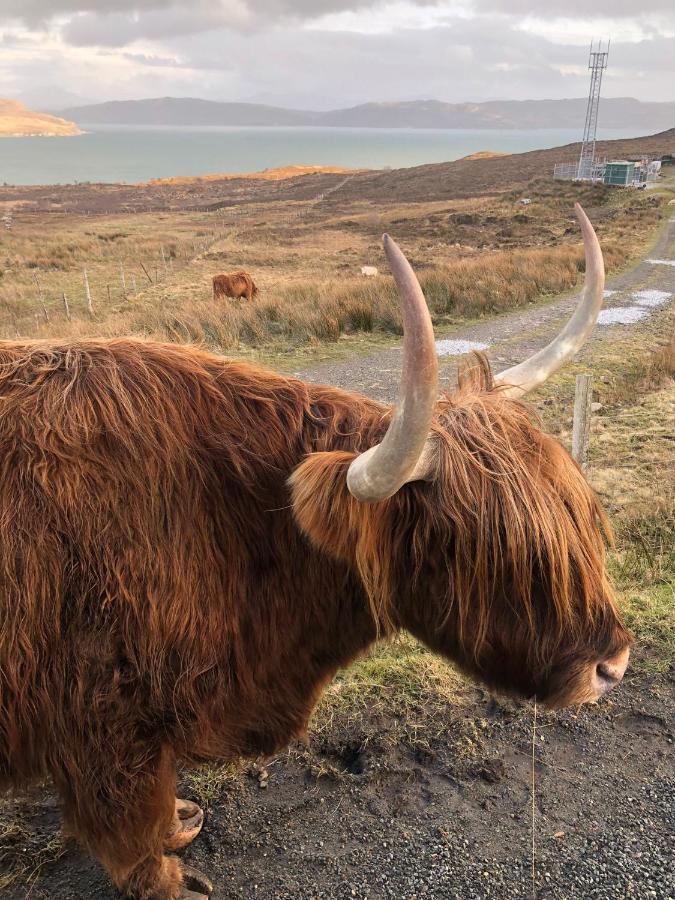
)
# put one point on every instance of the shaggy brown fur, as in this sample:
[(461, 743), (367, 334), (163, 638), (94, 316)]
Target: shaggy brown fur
[(236, 285), (166, 597)]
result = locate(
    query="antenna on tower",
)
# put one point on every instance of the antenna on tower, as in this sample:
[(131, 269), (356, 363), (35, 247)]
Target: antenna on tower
[(597, 63)]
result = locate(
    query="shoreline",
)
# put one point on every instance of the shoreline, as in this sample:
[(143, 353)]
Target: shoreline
[(33, 134)]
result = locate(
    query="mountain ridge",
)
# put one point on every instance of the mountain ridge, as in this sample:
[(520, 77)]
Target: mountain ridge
[(617, 112)]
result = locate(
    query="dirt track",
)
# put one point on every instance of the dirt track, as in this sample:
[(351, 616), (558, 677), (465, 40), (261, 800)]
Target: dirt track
[(451, 820), (510, 337)]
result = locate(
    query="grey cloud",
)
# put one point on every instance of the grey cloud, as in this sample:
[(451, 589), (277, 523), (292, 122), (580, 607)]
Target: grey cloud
[(468, 60), (573, 9), (161, 62), (120, 29), (203, 14)]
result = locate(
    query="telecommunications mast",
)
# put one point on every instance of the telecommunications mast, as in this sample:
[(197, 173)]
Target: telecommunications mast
[(597, 63)]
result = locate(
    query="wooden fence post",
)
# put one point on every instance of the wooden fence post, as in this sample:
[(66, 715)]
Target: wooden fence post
[(66, 307), (123, 280), (90, 307), (582, 419)]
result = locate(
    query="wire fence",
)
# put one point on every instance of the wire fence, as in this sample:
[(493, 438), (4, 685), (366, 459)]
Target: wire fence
[(126, 278), (118, 281)]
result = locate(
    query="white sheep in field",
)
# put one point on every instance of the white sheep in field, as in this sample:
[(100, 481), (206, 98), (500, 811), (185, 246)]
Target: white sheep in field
[(369, 271)]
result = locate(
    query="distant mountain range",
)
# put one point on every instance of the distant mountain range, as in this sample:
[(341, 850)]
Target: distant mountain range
[(620, 112)]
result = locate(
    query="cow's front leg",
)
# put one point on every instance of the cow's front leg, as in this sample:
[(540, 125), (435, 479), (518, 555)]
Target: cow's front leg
[(187, 822), (120, 802)]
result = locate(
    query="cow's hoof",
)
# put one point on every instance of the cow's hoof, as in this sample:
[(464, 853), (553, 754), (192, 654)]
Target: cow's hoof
[(196, 881), (185, 894), (187, 823)]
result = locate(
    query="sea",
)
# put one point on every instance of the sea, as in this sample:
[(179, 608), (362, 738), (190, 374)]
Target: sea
[(135, 153)]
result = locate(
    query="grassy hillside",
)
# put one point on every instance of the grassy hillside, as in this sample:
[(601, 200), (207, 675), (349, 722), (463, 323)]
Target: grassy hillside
[(151, 274), (17, 121)]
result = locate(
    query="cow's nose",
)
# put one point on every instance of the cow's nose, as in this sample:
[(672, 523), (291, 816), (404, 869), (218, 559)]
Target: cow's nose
[(609, 672)]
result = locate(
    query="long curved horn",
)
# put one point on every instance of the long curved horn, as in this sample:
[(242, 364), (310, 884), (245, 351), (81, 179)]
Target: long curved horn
[(534, 371), (382, 470)]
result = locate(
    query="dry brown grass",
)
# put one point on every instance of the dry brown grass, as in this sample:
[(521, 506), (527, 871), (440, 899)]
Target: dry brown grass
[(475, 258), (643, 373), (16, 120), (322, 311), (277, 174)]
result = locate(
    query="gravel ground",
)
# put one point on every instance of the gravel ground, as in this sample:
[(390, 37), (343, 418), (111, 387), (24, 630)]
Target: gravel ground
[(450, 821)]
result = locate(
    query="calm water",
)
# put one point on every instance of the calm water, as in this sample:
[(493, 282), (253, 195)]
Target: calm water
[(138, 154)]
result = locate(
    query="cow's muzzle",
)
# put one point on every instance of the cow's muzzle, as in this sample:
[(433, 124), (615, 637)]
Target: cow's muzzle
[(609, 672)]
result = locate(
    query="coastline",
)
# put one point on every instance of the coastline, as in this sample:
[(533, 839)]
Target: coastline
[(20, 134)]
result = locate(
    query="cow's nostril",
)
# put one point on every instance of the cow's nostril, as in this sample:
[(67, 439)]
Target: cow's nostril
[(606, 673), (609, 672)]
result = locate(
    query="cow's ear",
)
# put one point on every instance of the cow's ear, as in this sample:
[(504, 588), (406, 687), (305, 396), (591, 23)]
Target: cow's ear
[(358, 533), (326, 511)]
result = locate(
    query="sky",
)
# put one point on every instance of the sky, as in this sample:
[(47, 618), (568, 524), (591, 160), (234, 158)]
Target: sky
[(322, 54)]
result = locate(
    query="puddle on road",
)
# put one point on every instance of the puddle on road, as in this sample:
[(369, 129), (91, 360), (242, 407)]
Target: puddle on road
[(662, 262), (651, 297), (449, 347), (622, 315)]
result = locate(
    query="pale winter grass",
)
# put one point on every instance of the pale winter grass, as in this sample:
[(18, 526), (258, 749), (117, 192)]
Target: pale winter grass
[(322, 310), (474, 258)]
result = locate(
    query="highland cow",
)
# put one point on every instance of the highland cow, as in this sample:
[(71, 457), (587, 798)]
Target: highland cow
[(235, 285), (190, 548)]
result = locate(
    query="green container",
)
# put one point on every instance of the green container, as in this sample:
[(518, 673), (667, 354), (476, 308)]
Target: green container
[(620, 173)]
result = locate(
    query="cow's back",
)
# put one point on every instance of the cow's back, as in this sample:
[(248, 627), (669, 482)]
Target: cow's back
[(144, 523)]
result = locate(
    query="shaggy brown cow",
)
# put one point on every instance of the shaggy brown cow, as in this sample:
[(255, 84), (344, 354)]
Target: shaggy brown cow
[(236, 285), (190, 548)]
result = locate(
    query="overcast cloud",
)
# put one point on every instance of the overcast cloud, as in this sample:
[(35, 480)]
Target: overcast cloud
[(324, 53)]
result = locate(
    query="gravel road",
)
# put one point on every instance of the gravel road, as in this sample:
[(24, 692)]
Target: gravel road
[(510, 337)]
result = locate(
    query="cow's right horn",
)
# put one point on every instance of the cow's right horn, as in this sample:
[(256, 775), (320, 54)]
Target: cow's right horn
[(382, 470), (527, 375)]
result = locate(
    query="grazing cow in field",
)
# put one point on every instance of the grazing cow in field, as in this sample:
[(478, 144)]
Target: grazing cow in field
[(236, 285), (190, 548), (369, 271)]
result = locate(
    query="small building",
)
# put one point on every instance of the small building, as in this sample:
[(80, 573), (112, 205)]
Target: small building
[(619, 172)]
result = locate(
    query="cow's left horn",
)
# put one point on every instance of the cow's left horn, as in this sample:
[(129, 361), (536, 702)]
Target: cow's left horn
[(382, 470), (528, 375)]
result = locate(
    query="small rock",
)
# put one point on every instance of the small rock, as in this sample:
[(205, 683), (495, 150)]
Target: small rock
[(491, 770)]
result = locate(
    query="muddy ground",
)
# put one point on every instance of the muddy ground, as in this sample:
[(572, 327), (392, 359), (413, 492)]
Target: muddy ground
[(355, 817), (442, 814)]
